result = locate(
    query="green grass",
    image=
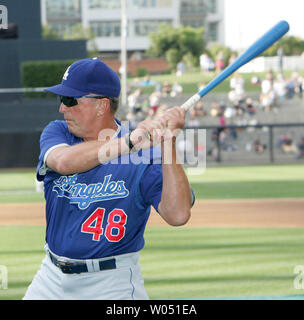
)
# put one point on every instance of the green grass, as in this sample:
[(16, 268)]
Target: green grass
[(180, 263), (21, 251), (191, 80), (201, 262), (21, 198), (249, 173), (279, 181), (18, 187), (21, 180), (249, 190)]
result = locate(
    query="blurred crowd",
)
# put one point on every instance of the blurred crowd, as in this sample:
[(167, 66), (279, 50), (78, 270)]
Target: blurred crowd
[(240, 109), (237, 109), (142, 106)]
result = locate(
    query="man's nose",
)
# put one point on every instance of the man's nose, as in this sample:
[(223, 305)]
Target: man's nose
[(63, 108)]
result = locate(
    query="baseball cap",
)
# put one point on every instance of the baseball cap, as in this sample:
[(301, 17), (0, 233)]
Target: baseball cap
[(86, 76)]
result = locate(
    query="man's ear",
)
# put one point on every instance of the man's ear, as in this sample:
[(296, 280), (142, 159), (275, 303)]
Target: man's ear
[(102, 106)]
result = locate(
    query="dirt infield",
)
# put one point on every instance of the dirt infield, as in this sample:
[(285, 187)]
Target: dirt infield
[(207, 213)]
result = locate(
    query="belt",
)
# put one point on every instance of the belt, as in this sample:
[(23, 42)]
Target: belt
[(79, 267)]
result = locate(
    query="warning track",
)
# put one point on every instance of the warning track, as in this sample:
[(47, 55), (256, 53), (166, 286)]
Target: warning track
[(205, 213)]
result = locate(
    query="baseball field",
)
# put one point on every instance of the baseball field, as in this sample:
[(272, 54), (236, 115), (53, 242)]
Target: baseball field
[(245, 238)]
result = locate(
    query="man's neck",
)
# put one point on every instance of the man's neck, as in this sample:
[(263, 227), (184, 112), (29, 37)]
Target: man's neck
[(104, 132)]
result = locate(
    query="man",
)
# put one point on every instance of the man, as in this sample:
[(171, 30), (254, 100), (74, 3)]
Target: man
[(98, 194)]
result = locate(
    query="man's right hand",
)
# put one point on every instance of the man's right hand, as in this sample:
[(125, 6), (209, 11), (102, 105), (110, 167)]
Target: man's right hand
[(149, 133)]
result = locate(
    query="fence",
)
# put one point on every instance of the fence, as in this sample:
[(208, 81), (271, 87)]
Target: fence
[(252, 144), (264, 64)]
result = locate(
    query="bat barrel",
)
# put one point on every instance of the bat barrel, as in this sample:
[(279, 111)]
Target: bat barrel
[(253, 51)]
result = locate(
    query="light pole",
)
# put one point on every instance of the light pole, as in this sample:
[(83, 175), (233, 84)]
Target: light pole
[(123, 54)]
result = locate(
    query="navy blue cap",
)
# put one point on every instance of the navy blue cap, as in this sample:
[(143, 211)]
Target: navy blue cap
[(86, 76)]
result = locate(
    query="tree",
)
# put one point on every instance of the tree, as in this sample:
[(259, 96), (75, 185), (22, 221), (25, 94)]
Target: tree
[(49, 34), (176, 43), (291, 46), (216, 48), (78, 32)]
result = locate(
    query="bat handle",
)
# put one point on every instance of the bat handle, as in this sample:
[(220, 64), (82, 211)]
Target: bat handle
[(190, 102)]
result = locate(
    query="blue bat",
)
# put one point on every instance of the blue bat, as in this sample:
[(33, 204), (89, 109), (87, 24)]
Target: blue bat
[(268, 39)]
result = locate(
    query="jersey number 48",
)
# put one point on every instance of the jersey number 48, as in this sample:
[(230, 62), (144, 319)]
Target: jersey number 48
[(114, 230)]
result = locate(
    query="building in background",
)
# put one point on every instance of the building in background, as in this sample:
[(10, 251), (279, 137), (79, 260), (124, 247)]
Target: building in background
[(103, 17), (144, 16), (204, 13), (61, 15), (215, 25)]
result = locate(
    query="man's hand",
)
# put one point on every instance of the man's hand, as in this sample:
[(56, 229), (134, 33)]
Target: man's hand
[(174, 119), (165, 127)]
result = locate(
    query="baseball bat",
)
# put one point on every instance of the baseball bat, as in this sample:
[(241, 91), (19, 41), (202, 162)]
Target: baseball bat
[(268, 39)]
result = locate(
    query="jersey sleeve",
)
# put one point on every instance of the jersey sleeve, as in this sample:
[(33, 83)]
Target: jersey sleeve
[(151, 186), (53, 136)]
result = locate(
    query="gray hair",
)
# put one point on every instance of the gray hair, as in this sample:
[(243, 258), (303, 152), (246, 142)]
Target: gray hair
[(114, 104)]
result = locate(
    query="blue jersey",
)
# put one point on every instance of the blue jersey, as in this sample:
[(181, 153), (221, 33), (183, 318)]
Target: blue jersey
[(101, 212)]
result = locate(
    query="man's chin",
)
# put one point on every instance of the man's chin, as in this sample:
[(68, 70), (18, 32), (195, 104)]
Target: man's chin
[(72, 129), (70, 125)]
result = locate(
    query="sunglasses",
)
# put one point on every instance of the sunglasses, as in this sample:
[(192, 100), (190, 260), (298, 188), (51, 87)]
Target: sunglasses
[(72, 101)]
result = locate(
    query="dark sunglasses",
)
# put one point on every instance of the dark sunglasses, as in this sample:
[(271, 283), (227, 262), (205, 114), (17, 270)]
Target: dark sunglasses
[(72, 101)]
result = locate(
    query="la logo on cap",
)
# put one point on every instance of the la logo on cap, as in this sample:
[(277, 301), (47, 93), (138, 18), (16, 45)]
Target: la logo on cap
[(66, 74)]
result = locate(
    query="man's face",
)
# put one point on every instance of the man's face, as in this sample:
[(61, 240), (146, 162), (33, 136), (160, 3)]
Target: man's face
[(81, 118)]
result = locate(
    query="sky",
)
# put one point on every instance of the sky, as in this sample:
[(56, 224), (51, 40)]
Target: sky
[(247, 20)]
